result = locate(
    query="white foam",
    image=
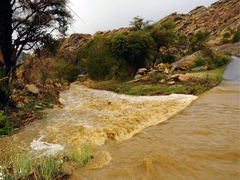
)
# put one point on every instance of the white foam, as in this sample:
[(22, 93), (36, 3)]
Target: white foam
[(47, 148)]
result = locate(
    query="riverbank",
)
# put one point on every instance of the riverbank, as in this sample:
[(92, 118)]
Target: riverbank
[(203, 81), (30, 106)]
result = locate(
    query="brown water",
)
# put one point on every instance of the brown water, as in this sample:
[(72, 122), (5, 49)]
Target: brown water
[(200, 142), (144, 138)]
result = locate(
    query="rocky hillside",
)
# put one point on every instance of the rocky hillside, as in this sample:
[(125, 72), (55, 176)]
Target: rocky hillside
[(221, 17)]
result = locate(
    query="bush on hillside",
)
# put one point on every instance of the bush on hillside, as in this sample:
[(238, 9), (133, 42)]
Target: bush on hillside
[(197, 41), (236, 37), (5, 127), (133, 48), (96, 57), (65, 70), (215, 61), (137, 24)]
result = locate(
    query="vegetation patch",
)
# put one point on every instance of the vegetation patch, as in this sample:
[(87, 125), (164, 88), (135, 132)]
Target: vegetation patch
[(148, 88), (26, 164)]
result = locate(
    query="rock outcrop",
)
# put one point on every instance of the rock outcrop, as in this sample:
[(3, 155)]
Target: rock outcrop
[(221, 17), (183, 63)]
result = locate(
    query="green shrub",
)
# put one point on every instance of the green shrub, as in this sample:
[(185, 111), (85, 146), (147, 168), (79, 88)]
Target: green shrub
[(99, 60), (71, 73), (156, 78), (227, 53), (220, 60), (137, 24), (65, 70), (227, 35), (199, 61), (133, 48), (168, 58), (236, 37), (197, 41), (5, 88), (5, 127), (225, 40), (44, 77)]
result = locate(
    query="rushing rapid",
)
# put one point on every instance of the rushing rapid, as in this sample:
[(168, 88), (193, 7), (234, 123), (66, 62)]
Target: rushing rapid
[(147, 137)]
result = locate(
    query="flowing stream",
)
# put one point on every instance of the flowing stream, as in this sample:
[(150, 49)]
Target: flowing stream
[(145, 138)]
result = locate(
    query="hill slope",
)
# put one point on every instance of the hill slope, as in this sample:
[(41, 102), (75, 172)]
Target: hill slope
[(221, 17)]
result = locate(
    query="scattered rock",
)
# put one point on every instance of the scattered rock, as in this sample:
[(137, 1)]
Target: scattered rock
[(175, 76), (62, 101), (166, 71), (32, 88), (56, 107), (45, 103), (186, 77), (138, 76), (26, 100), (171, 83), (136, 80), (58, 85), (38, 107), (141, 70), (162, 81), (183, 68), (31, 104), (81, 77), (146, 78), (199, 68), (20, 106)]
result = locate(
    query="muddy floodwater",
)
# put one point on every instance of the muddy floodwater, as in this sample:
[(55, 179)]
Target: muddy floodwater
[(146, 138)]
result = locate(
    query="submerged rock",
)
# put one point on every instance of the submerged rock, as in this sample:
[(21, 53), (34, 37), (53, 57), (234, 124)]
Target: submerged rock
[(62, 101)]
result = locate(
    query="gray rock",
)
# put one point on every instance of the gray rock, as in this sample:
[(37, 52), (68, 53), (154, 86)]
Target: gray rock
[(32, 88), (141, 70), (81, 77), (38, 107), (20, 106), (82, 71), (199, 68), (175, 77), (138, 76), (171, 82), (136, 80), (184, 59)]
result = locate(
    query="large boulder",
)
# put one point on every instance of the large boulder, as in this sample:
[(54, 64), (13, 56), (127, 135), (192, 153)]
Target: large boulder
[(32, 88), (186, 58)]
